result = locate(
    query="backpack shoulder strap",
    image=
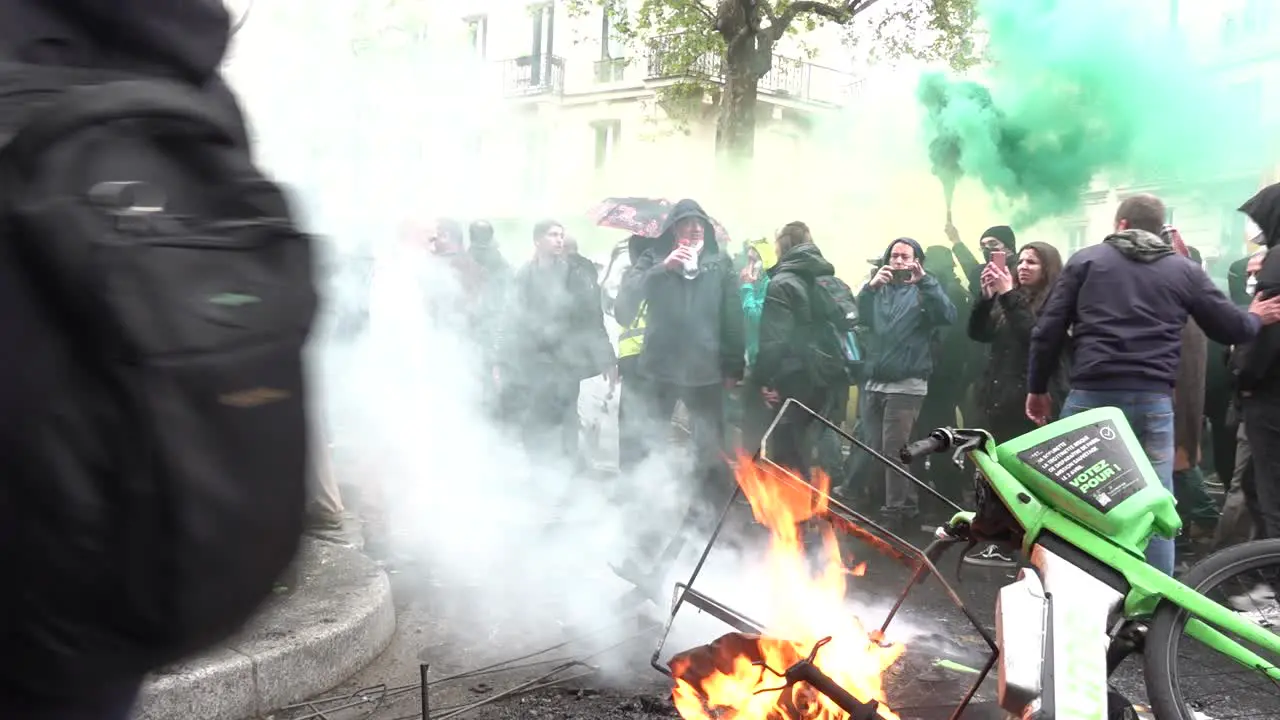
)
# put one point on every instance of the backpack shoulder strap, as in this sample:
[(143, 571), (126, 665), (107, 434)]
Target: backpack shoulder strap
[(79, 107)]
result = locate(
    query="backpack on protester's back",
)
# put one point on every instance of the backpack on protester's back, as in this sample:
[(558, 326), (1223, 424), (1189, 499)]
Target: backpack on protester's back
[(155, 490), (838, 358)]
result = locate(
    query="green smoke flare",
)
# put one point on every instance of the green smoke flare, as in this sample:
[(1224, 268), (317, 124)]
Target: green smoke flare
[(1082, 88)]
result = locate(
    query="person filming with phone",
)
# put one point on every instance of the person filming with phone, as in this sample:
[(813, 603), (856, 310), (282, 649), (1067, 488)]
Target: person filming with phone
[(902, 307), (1003, 318)]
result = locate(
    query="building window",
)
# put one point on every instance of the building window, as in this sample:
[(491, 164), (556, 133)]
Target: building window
[(478, 35), (1076, 237), (542, 44), (611, 70), (611, 45), (543, 27), (607, 133)]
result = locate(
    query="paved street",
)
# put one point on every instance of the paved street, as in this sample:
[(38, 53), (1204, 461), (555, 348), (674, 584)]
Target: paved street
[(461, 629), (437, 624)]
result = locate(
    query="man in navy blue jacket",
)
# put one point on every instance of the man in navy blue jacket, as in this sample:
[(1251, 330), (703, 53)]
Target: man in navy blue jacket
[(1125, 302)]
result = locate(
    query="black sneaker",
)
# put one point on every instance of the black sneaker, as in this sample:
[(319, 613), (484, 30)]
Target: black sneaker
[(990, 556)]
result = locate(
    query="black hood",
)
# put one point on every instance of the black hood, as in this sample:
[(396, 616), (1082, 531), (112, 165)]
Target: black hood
[(636, 245), (684, 209), (805, 260), (884, 259), (184, 39), (1264, 210)]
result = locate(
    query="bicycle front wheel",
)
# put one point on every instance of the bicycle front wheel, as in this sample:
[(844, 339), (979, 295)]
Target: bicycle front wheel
[(1243, 578)]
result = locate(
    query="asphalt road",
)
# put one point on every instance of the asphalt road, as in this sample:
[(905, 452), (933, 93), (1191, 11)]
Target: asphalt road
[(439, 625)]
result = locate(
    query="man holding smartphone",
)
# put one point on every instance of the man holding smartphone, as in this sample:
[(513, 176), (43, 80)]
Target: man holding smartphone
[(902, 307)]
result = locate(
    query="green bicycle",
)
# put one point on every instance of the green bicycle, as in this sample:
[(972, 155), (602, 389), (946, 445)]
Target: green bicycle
[(1081, 500)]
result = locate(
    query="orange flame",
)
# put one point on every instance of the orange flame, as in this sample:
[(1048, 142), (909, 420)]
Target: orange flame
[(720, 681)]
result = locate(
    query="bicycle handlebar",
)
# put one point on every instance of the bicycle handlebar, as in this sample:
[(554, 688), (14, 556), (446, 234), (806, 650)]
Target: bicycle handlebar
[(939, 440)]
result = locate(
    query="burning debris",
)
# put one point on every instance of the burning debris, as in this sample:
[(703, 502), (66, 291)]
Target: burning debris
[(731, 679), (816, 660), (747, 676)]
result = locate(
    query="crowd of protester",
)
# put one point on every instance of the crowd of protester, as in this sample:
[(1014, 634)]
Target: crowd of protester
[(1027, 336)]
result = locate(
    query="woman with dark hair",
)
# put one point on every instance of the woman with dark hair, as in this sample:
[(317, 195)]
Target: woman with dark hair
[(1004, 318)]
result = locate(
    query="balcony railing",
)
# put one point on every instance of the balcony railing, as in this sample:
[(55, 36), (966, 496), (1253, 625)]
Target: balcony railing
[(788, 77), (533, 75), (667, 61)]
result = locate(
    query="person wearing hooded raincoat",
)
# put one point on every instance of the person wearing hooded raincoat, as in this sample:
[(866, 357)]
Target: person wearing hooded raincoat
[(902, 306), (693, 337), (1259, 375)]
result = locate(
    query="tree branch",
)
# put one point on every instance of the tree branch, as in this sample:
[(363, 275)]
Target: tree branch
[(841, 13), (767, 7), (706, 12)]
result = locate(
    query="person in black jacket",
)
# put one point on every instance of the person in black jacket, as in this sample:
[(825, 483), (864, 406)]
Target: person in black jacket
[(1004, 319), (1126, 301), (1259, 376), (554, 338), (694, 344), (785, 364), (181, 40)]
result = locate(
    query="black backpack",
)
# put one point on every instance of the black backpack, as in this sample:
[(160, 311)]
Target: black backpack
[(837, 357), (154, 489)]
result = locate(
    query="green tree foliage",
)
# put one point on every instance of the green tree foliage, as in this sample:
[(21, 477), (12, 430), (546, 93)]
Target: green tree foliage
[(730, 43)]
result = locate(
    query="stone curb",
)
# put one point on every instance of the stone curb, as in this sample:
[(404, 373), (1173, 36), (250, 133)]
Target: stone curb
[(338, 619)]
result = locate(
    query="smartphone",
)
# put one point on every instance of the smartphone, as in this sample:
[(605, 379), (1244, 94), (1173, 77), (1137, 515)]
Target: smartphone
[(997, 259), (901, 275)]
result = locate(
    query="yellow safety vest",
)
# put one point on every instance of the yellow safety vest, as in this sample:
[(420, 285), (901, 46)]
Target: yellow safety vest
[(631, 339)]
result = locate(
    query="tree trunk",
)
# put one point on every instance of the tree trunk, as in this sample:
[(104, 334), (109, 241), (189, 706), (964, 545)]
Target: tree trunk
[(736, 127), (738, 22)]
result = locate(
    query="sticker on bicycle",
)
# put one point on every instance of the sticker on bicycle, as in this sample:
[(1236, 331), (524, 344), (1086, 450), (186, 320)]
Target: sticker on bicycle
[(1093, 462)]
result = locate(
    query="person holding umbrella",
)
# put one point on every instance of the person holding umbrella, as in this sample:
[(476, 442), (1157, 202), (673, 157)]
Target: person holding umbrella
[(694, 344)]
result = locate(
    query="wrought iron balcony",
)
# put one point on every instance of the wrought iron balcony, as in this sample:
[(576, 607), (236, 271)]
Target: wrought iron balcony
[(532, 75), (787, 77), (668, 60)]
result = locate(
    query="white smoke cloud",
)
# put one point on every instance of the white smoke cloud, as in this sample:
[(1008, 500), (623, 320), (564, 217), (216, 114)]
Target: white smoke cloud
[(368, 144)]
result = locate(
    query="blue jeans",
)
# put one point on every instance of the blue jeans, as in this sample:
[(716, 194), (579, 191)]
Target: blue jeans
[(1150, 415)]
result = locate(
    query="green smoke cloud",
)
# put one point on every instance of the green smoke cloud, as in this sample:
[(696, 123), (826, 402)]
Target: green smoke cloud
[(1079, 88)]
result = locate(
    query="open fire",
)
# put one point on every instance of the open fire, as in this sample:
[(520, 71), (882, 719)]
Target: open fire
[(725, 680)]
